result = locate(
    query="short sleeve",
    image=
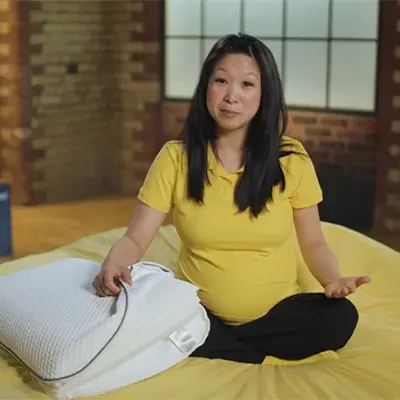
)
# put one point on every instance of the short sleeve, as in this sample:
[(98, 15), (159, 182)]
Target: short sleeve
[(307, 191), (158, 186)]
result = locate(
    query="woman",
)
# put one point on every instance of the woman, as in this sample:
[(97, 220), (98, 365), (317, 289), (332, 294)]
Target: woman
[(238, 187)]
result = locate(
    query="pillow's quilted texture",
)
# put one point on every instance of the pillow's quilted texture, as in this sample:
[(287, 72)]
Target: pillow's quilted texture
[(67, 336)]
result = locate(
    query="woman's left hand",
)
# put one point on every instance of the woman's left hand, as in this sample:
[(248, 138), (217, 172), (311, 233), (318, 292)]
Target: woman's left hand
[(345, 286)]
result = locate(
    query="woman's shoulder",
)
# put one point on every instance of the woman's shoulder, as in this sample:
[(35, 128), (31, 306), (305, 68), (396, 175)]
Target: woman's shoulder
[(174, 145), (296, 158), (301, 177), (172, 149), (293, 145)]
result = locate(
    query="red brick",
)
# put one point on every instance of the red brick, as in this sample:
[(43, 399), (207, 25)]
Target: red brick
[(321, 157), (332, 145), (317, 132), (37, 197), (34, 28), (360, 147), (35, 49), (34, 175), (33, 5), (37, 70), (6, 38), (309, 144), (151, 67), (5, 15), (147, 33), (150, 17), (4, 81), (364, 171), (29, 154), (296, 131), (304, 120), (395, 139), (330, 121), (368, 125), (12, 55)]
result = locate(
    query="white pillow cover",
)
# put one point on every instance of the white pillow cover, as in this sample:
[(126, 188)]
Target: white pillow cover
[(76, 343)]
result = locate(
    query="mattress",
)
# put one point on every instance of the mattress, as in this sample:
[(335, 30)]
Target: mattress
[(367, 368)]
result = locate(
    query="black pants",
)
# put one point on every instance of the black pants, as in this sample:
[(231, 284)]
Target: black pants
[(297, 327)]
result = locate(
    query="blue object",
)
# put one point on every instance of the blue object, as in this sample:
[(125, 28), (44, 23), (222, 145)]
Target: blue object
[(5, 220)]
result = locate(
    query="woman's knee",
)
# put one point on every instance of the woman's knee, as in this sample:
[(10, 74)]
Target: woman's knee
[(344, 321)]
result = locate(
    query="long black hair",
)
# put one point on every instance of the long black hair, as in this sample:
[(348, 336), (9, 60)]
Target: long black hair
[(263, 143)]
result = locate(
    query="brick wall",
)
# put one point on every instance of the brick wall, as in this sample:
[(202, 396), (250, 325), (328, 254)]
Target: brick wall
[(90, 94), (387, 211), (11, 108)]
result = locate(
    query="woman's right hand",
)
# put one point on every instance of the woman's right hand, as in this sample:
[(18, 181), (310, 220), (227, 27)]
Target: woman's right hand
[(107, 282), (128, 250)]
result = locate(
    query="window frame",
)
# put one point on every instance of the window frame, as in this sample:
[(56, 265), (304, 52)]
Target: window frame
[(329, 39)]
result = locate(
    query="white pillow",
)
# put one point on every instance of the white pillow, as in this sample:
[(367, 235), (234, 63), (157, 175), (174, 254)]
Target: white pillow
[(76, 343)]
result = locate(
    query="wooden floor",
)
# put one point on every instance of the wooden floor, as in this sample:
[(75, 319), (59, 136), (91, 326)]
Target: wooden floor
[(43, 228)]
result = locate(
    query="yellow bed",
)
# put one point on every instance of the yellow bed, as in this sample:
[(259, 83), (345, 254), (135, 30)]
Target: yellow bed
[(368, 368)]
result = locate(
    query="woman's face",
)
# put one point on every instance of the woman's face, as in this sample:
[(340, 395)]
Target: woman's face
[(234, 92)]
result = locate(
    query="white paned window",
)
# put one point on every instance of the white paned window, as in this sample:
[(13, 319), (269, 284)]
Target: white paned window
[(307, 18), (276, 48), (183, 17), (326, 59), (221, 17), (263, 18), (305, 73), (343, 19), (207, 46), (352, 77), (182, 67)]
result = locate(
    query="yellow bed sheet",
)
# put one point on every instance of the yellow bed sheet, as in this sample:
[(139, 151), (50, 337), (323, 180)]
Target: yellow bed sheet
[(368, 368)]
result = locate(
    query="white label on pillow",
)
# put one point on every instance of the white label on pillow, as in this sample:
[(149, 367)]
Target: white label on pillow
[(183, 340)]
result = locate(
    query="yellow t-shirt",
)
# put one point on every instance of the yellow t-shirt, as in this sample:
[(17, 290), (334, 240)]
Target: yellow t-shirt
[(241, 265)]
